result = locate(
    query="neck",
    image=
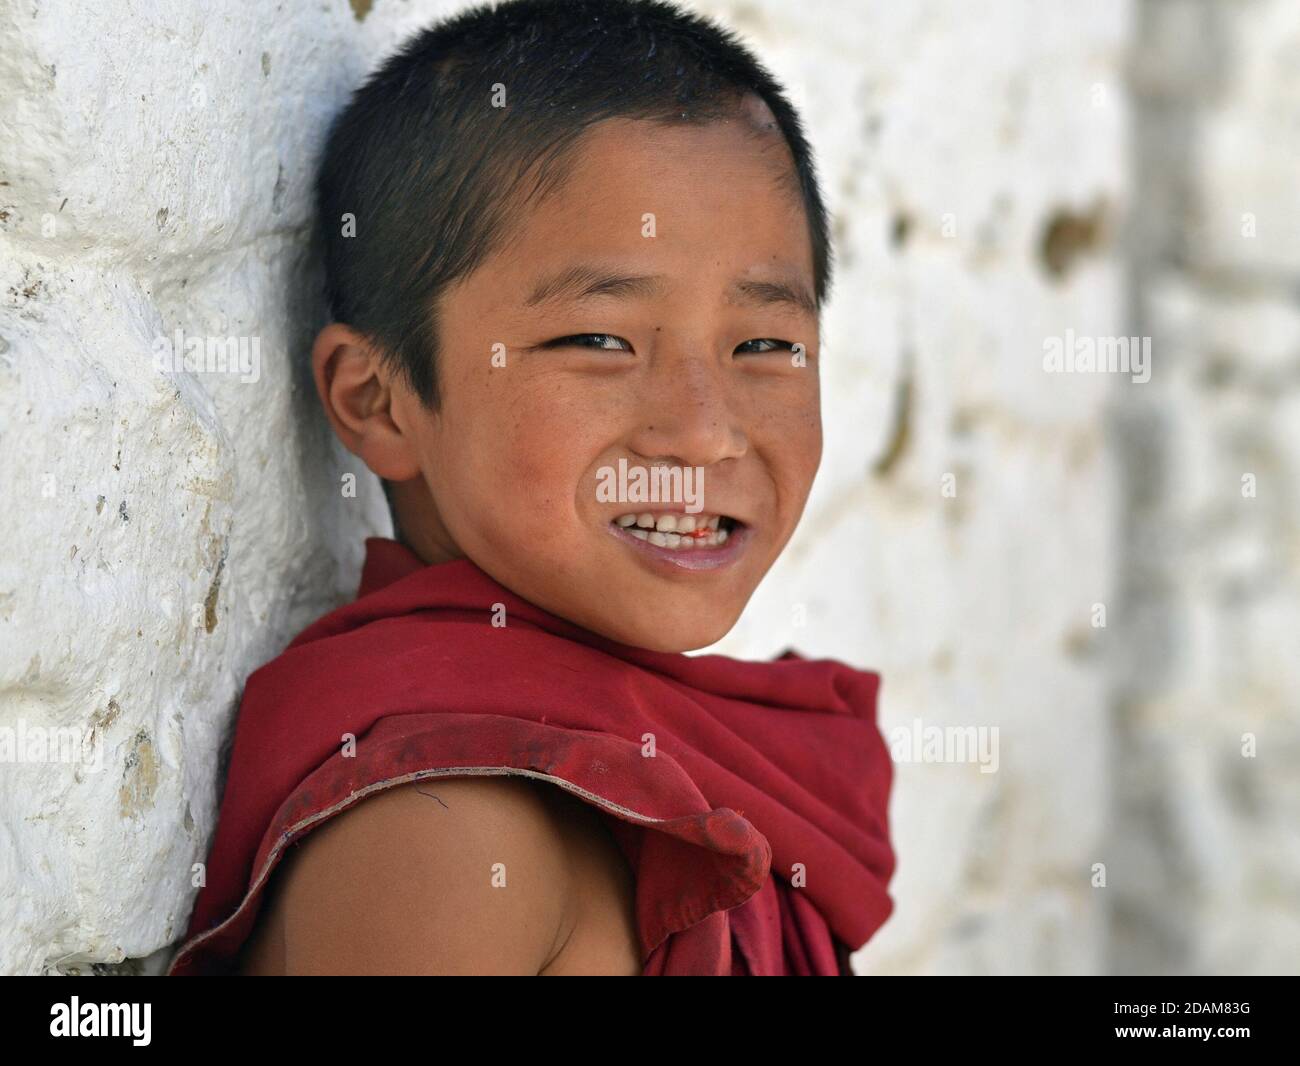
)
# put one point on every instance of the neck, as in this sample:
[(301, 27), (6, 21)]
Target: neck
[(417, 523)]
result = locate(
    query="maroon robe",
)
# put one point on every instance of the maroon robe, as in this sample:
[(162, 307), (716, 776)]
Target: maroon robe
[(750, 798)]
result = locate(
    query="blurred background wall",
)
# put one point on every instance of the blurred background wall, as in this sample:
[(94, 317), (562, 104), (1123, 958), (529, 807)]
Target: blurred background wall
[(1093, 576), (1208, 660)]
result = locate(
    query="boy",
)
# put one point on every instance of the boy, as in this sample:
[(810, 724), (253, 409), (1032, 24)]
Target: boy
[(562, 239)]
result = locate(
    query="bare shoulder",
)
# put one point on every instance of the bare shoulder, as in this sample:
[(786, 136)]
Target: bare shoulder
[(456, 875)]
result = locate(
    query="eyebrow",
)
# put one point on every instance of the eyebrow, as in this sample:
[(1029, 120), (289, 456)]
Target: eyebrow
[(584, 282)]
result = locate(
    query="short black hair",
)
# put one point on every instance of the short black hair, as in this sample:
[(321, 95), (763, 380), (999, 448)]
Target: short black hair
[(433, 173)]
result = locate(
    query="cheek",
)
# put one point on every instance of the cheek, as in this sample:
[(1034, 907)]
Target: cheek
[(522, 458), (531, 524), (813, 439), (792, 435), (540, 450)]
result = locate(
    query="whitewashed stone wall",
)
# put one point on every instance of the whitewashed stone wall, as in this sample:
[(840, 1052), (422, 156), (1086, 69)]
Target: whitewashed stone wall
[(165, 532), (172, 531)]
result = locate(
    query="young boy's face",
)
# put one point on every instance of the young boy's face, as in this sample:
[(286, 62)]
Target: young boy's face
[(691, 372)]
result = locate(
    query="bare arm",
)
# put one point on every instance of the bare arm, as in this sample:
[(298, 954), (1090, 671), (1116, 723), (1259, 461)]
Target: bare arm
[(409, 881)]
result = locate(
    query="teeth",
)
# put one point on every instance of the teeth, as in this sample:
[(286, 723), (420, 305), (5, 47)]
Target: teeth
[(674, 531), (669, 523)]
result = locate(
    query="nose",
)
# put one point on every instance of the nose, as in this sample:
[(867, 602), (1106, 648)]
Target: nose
[(690, 414)]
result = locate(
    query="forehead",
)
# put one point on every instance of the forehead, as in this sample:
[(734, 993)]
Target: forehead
[(741, 160), (697, 203)]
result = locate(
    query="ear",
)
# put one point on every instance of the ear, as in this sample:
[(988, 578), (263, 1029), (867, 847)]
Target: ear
[(357, 392)]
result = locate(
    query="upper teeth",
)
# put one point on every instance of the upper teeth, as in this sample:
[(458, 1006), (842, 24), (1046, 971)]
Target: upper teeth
[(669, 523), (675, 530)]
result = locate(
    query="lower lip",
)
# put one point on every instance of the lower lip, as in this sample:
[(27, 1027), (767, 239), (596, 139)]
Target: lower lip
[(687, 558)]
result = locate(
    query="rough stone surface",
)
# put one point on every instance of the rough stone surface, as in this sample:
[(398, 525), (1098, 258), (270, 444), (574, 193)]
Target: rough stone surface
[(168, 531)]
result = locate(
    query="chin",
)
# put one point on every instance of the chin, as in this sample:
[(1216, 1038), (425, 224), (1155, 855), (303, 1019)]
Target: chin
[(678, 638)]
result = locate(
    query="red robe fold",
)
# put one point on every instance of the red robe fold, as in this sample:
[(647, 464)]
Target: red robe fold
[(750, 798)]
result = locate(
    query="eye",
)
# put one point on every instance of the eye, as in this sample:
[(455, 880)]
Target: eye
[(580, 340), (776, 345)]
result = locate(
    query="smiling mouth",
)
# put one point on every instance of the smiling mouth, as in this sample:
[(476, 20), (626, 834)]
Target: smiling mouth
[(679, 532)]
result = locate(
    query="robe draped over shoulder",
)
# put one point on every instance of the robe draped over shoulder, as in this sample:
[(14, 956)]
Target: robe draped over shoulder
[(750, 798)]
